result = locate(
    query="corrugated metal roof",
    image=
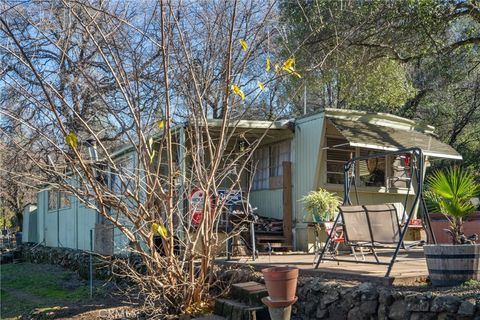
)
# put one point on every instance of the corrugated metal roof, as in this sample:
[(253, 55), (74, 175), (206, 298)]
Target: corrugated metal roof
[(375, 136)]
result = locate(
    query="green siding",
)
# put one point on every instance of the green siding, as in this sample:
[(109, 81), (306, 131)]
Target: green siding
[(69, 227), (268, 202), (308, 136)]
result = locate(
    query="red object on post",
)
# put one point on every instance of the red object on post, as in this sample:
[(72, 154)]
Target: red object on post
[(196, 205), (196, 202), (408, 160)]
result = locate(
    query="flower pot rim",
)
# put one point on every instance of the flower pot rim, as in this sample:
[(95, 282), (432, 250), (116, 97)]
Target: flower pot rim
[(279, 269)]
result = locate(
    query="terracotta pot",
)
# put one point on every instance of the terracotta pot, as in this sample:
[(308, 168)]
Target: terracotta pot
[(281, 282)]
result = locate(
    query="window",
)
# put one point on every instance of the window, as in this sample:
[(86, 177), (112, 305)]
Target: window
[(371, 172), (279, 153), (53, 200), (400, 174), (338, 152), (374, 172), (269, 165), (122, 179), (261, 163)]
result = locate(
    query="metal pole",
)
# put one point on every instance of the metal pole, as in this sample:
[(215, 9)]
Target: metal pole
[(252, 235), (419, 154), (229, 239), (305, 98), (58, 218), (91, 264), (329, 239)]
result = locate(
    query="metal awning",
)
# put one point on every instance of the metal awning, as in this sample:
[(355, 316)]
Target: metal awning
[(373, 136)]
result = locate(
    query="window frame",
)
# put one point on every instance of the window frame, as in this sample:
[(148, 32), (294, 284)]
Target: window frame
[(388, 172), (65, 201), (116, 182), (271, 169)]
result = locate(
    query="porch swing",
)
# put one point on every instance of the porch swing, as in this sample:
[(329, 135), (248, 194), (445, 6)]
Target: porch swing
[(378, 226)]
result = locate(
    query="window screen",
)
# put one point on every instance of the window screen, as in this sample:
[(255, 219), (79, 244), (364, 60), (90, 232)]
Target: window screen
[(338, 152), (279, 153), (268, 163), (123, 178), (53, 199), (261, 163)]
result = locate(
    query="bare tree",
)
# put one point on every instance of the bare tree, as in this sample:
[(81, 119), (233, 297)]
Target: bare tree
[(155, 75)]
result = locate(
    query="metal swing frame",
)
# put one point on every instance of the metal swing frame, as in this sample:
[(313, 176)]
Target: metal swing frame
[(418, 158)]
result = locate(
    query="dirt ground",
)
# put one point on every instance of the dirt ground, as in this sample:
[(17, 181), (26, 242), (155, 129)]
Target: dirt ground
[(41, 291)]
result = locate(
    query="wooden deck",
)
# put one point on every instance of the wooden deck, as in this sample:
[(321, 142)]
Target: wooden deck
[(410, 267)]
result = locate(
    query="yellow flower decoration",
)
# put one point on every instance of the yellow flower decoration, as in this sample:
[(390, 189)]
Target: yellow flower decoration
[(244, 44), (160, 230), (261, 85), (72, 140), (289, 66), (267, 67), (236, 89)]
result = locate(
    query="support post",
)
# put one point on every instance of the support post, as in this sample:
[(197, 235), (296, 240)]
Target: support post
[(58, 217), (287, 202), (91, 265)]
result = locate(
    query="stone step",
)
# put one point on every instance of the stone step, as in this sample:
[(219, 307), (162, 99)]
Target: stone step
[(250, 292), (270, 238), (278, 246), (210, 317), (236, 310)]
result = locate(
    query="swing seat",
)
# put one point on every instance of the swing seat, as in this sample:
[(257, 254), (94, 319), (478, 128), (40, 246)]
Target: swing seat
[(369, 226)]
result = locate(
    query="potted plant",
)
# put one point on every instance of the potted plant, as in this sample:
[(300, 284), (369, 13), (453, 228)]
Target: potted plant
[(321, 205), (450, 192)]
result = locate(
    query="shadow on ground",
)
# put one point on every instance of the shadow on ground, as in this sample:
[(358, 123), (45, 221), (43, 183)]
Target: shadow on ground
[(42, 291)]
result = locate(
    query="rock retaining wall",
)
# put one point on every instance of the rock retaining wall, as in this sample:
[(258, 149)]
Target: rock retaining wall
[(317, 298), (76, 260), (322, 299)]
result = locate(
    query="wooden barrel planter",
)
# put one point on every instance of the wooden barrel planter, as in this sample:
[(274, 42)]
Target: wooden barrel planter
[(450, 265)]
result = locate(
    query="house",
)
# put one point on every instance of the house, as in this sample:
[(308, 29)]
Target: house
[(295, 157), (321, 143)]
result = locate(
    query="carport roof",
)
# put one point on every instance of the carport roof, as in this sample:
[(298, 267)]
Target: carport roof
[(377, 136)]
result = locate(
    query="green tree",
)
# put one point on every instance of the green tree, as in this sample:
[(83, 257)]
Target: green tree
[(416, 59)]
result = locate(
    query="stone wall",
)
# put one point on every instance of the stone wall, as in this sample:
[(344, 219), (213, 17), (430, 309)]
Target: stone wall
[(105, 267), (76, 260), (322, 299), (317, 298)]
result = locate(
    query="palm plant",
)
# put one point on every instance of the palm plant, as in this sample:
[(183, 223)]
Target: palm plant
[(450, 192)]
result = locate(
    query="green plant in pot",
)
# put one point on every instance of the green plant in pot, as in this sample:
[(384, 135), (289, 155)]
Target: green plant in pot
[(450, 192), (321, 205)]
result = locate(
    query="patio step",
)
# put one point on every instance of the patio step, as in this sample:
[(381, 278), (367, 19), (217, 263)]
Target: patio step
[(236, 310), (250, 292), (270, 238), (210, 317), (244, 302), (272, 241)]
